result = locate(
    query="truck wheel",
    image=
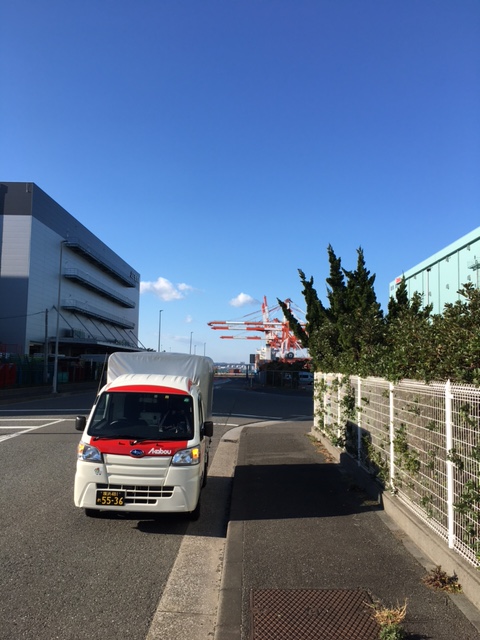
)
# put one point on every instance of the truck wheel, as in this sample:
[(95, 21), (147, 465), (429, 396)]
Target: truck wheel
[(195, 514)]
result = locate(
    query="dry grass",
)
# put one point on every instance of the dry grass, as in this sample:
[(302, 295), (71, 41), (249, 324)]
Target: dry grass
[(388, 616), (322, 450)]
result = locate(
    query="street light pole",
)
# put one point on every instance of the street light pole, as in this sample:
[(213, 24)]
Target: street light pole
[(159, 330), (45, 351), (57, 331), (191, 334)]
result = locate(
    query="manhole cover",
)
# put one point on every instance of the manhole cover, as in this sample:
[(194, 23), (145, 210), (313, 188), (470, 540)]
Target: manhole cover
[(304, 614)]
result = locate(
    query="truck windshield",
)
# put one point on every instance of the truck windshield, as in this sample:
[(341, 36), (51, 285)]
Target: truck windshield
[(143, 416)]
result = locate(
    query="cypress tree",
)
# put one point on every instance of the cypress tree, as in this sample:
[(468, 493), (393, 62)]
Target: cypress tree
[(314, 316), (352, 336), (361, 330), (409, 338), (399, 302), (456, 344)]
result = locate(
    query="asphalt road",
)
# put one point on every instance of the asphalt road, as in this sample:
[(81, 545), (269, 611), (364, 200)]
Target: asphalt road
[(66, 576)]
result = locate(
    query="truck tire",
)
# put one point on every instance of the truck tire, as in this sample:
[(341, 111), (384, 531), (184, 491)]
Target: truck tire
[(194, 515), (205, 471)]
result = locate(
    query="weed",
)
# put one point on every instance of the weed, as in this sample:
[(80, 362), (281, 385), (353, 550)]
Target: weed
[(392, 632), (439, 580), (389, 620), (321, 449)]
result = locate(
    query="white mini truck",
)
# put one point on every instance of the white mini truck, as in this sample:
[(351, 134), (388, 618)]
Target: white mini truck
[(145, 443)]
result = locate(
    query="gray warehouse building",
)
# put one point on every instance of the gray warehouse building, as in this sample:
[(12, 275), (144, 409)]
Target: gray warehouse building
[(50, 261)]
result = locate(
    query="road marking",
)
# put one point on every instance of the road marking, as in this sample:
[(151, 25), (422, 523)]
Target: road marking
[(49, 411), (255, 417), (23, 430), (225, 424), (22, 420)]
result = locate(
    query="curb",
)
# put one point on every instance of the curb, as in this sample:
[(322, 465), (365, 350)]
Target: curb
[(229, 612), (230, 598)]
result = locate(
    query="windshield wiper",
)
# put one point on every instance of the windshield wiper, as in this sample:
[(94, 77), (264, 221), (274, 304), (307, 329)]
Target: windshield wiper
[(134, 439)]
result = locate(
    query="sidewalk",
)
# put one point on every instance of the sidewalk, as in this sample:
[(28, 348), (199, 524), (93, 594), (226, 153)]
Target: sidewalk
[(19, 394), (306, 550)]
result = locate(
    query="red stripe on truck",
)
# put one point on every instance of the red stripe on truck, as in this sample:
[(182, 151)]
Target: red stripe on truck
[(150, 448), (148, 388)]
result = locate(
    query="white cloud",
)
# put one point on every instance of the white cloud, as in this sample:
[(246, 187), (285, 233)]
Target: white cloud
[(184, 287), (188, 319), (166, 290), (242, 300)]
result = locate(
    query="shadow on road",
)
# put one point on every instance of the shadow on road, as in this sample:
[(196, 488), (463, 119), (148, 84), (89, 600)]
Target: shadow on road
[(213, 520), (279, 492)]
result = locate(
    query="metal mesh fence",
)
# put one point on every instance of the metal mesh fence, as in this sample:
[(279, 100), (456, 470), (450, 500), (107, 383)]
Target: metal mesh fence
[(420, 441)]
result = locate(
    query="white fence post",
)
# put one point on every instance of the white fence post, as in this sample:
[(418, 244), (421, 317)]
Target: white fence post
[(359, 420), (339, 409), (325, 403), (392, 436), (449, 447)]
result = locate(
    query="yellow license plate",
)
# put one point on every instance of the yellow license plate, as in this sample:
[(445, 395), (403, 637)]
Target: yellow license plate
[(110, 499)]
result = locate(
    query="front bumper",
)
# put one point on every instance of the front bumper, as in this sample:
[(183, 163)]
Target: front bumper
[(170, 490)]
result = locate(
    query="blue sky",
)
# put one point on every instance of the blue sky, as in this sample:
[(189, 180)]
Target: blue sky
[(220, 145)]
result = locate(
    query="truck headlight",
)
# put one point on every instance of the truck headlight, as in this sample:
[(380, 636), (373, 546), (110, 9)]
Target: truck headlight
[(186, 457), (88, 453)]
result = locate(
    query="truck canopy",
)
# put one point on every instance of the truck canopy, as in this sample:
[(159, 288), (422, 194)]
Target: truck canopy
[(198, 369)]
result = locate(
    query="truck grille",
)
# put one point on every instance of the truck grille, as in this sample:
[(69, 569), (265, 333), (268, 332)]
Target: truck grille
[(139, 494)]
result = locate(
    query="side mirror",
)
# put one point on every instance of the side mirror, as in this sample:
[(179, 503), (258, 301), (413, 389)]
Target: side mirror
[(208, 428), (80, 422)]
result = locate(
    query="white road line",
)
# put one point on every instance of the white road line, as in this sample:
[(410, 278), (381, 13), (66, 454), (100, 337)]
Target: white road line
[(254, 417), (26, 430), (225, 424), (70, 411), (22, 419)]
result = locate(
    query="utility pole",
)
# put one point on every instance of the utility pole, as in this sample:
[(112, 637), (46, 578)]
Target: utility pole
[(159, 330), (45, 350), (57, 332)]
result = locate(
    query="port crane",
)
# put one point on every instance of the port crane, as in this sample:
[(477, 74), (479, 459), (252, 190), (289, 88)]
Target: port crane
[(276, 333)]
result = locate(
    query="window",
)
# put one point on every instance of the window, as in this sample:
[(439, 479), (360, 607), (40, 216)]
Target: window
[(156, 416)]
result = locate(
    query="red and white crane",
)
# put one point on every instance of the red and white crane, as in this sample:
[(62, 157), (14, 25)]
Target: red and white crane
[(276, 333)]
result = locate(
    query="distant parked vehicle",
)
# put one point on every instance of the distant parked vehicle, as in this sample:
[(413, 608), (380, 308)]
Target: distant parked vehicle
[(305, 378)]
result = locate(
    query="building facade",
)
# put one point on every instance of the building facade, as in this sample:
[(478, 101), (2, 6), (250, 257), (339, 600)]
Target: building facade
[(49, 261), (439, 277)]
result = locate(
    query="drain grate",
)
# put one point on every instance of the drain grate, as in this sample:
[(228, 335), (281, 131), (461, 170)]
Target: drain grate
[(304, 614)]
